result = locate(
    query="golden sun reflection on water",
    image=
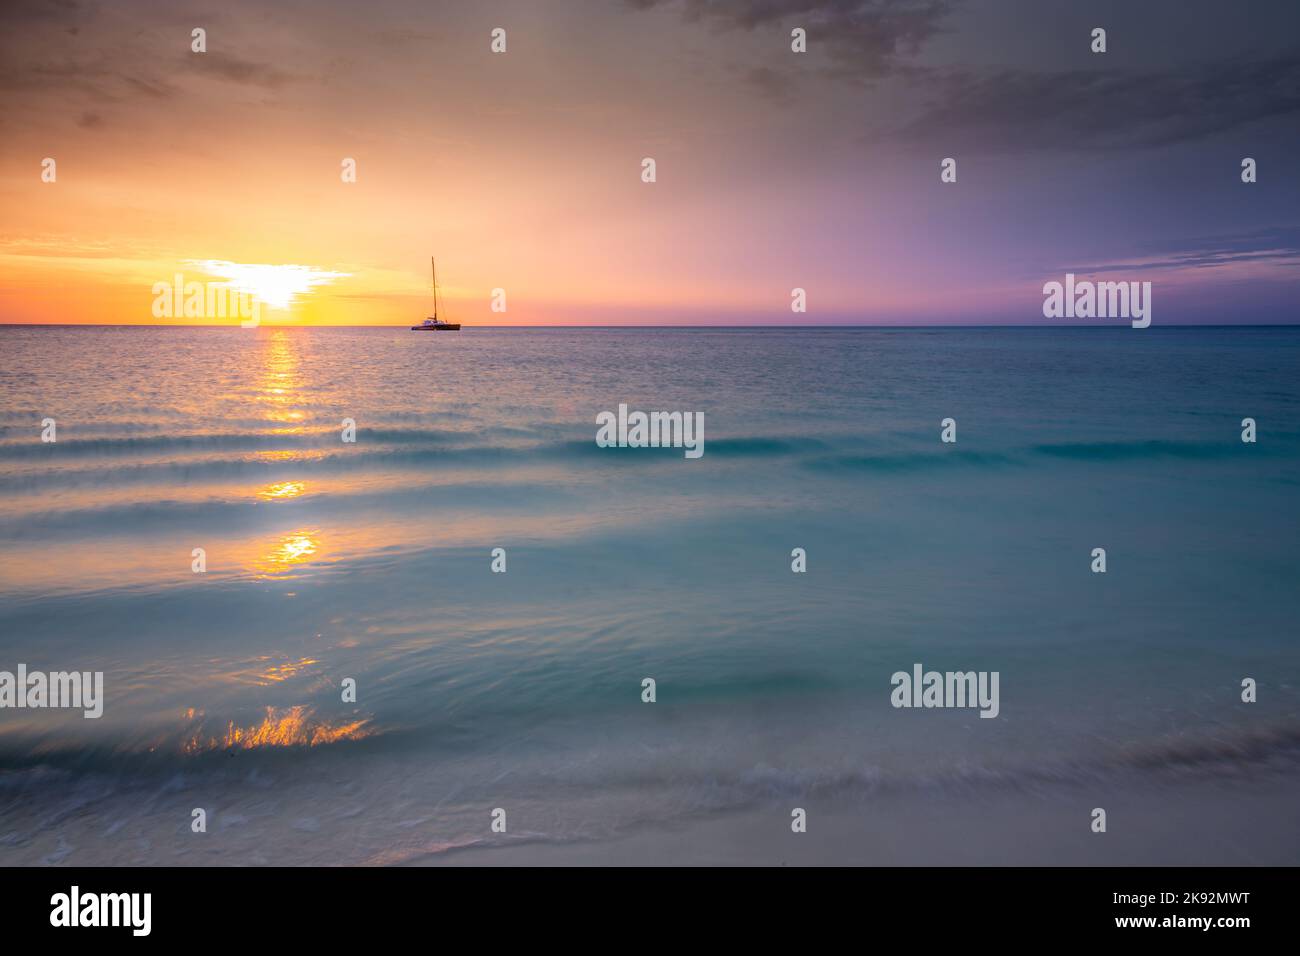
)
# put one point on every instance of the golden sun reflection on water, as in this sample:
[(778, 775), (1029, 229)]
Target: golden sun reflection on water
[(288, 727), (288, 551), (266, 670), (281, 490), (287, 454), (280, 369), (280, 382), (281, 672), (291, 416)]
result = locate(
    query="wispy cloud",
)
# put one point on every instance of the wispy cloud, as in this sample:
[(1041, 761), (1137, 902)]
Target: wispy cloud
[(1278, 247), (235, 69)]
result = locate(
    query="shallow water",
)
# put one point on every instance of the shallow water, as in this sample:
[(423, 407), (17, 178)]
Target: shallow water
[(522, 690)]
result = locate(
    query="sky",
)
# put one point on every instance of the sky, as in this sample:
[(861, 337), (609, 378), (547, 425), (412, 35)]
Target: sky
[(522, 171)]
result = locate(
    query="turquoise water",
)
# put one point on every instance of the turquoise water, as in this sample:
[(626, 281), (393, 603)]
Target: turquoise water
[(475, 690)]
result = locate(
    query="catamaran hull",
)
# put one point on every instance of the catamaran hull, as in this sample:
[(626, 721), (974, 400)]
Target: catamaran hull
[(449, 327)]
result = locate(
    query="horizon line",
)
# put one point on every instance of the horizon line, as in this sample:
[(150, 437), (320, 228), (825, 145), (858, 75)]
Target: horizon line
[(783, 327)]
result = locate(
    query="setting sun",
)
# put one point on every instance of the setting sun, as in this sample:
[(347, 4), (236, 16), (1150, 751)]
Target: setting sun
[(276, 286)]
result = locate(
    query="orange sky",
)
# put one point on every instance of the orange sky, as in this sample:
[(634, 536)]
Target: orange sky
[(518, 171)]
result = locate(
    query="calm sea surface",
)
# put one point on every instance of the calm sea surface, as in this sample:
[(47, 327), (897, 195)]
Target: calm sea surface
[(371, 560)]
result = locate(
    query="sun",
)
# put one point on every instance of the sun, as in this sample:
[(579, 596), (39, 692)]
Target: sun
[(277, 286)]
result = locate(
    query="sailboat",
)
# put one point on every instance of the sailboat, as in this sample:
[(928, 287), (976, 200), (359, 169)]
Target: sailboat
[(433, 323)]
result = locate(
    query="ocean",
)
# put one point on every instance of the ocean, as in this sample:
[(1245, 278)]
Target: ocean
[(517, 697)]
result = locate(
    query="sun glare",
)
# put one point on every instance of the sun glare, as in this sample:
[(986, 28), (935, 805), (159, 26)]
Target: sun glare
[(275, 286)]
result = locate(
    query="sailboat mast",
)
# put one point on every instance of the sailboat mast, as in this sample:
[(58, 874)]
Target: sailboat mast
[(433, 264)]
